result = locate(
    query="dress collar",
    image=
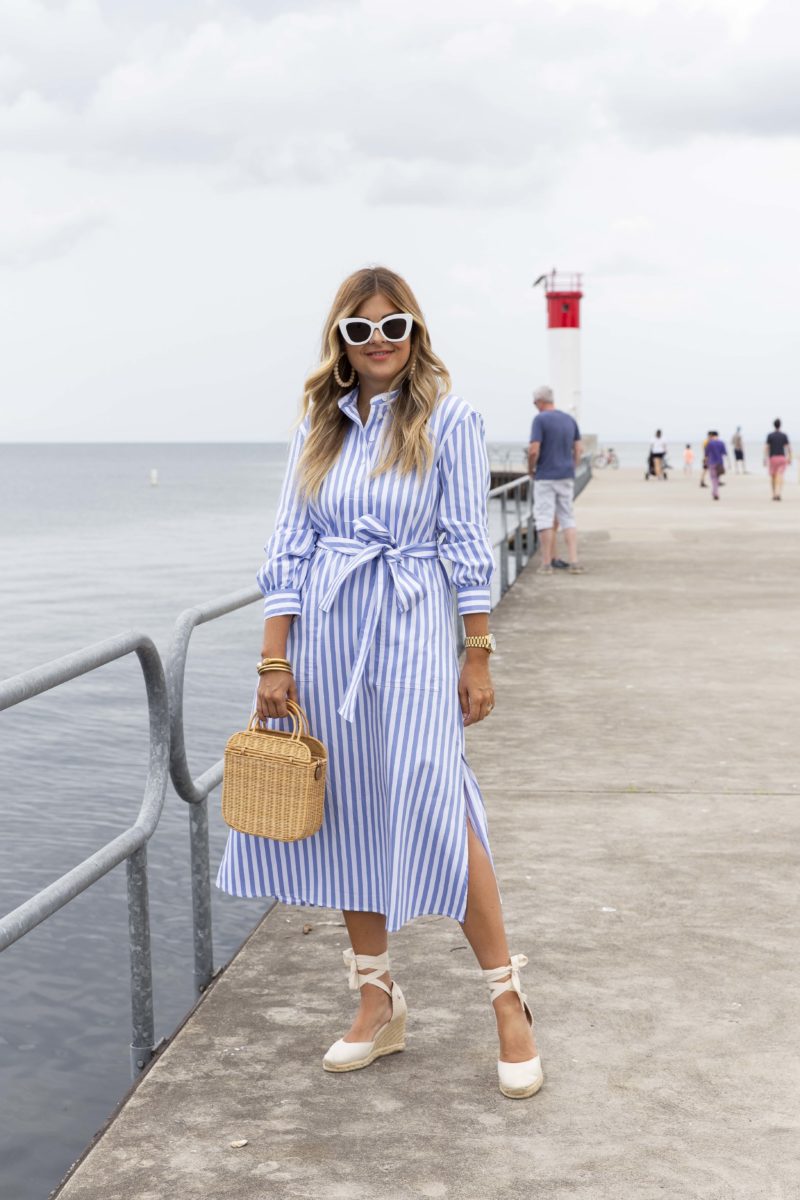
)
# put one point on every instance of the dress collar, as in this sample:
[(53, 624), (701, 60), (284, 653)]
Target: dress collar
[(349, 402)]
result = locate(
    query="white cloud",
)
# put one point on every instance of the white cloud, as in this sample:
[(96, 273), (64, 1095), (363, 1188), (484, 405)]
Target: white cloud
[(435, 183), (30, 122), (40, 236), (216, 167), (479, 108), (621, 263), (711, 72), (59, 50)]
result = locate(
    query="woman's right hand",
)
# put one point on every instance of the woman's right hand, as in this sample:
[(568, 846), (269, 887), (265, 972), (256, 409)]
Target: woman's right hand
[(274, 689)]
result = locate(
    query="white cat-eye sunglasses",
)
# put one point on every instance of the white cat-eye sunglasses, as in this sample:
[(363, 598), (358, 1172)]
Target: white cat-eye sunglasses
[(357, 331)]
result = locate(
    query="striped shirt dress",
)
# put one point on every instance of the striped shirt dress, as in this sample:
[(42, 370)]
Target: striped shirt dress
[(362, 569)]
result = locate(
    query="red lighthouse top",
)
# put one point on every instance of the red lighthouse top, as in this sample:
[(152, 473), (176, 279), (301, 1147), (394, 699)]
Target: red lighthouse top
[(564, 294)]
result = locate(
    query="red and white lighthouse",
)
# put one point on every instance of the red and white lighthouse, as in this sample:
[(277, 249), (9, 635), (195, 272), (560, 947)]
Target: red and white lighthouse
[(564, 293)]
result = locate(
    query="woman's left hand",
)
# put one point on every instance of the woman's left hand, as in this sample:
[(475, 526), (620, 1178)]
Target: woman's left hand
[(475, 690)]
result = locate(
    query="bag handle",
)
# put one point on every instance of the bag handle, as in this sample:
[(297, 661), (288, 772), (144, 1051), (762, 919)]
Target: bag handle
[(296, 716)]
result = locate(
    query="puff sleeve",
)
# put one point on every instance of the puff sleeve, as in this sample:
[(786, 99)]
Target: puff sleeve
[(282, 575), (463, 520)]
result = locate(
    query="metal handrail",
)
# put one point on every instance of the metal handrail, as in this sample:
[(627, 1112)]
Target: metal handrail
[(523, 553), (130, 846), (196, 791), (523, 549)]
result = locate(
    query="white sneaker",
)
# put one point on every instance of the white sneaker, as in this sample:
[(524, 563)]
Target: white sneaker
[(520, 1079), (391, 1037)]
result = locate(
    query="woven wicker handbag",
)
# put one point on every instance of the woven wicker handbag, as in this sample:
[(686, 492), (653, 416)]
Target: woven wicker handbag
[(273, 783)]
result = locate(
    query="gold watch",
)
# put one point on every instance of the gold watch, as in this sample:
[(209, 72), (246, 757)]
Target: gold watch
[(485, 641)]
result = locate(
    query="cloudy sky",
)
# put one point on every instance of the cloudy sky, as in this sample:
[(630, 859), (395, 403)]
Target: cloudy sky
[(184, 184)]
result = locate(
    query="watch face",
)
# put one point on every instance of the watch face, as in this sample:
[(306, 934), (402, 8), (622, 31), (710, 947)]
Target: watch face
[(492, 642)]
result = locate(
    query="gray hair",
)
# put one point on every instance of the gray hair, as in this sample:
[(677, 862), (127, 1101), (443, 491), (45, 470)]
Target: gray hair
[(544, 393)]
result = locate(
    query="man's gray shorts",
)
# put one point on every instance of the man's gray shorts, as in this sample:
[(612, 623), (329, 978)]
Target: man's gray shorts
[(553, 498)]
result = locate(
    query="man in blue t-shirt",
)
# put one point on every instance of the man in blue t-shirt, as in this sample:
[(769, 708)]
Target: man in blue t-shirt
[(554, 452)]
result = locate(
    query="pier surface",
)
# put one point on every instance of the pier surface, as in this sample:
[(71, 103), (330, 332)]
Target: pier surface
[(641, 776)]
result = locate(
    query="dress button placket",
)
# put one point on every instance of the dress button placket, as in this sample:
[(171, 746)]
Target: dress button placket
[(371, 438), (367, 465)]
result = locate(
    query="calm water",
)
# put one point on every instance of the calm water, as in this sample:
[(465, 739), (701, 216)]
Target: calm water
[(88, 549)]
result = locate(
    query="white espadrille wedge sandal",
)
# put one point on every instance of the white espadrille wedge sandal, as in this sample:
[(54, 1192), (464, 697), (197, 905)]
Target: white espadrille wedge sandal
[(519, 1079), (391, 1037)]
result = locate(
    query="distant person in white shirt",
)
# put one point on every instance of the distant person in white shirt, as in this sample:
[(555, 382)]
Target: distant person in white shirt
[(658, 452)]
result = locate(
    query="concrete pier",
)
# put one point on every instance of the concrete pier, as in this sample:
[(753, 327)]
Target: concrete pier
[(641, 780)]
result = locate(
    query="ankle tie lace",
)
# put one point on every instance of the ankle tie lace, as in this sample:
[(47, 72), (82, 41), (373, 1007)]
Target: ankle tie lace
[(376, 964), (497, 984)]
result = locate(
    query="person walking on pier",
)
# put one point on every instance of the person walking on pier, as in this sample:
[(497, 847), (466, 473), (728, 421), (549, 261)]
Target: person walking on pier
[(737, 441), (387, 481), (715, 453), (658, 454), (553, 454), (688, 459), (704, 468), (777, 457)]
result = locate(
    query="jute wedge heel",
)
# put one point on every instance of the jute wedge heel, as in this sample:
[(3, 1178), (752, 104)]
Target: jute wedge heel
[(520, 1079), (390, 1038)]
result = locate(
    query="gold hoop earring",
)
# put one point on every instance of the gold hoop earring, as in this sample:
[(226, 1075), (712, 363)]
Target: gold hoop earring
[(344, 383)]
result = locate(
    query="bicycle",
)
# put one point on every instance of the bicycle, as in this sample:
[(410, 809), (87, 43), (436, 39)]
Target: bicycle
[(606, 458)]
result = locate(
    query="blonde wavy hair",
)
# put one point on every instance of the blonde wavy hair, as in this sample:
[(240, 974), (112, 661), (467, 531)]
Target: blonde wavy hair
[(421, 382)]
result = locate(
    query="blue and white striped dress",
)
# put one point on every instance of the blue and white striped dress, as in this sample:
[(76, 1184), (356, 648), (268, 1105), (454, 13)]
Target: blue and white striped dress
[(372, 647)]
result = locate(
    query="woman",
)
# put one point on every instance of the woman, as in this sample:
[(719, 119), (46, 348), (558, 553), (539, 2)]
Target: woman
[(777, 457), (715, 454), (387, 476), (658, 454)]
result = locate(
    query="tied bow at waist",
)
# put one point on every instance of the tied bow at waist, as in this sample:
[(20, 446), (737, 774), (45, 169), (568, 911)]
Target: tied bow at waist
[(374, 541)]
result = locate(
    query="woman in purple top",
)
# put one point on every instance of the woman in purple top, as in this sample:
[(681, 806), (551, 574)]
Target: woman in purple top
[(716, 453)]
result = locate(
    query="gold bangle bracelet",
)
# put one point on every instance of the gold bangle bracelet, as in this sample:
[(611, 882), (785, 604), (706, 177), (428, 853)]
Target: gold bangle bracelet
[(274, 664)]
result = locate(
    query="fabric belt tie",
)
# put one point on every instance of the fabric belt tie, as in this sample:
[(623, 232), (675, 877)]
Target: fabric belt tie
[(374, 541)]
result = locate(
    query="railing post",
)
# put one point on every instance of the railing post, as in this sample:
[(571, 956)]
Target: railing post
[(518, 530), (142, 1021), (504, 566), (533, 535), (129, 846), (504, 545), (201, 895)]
